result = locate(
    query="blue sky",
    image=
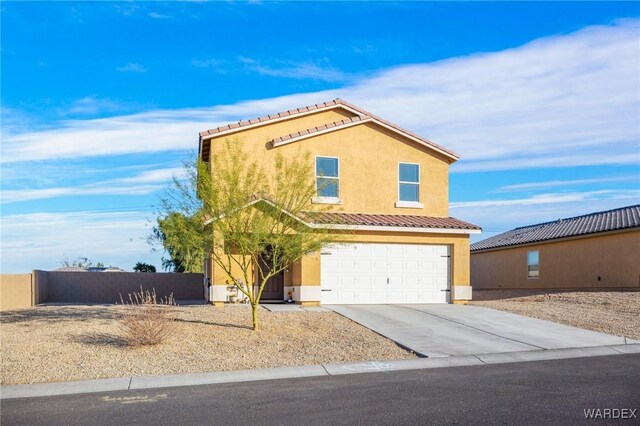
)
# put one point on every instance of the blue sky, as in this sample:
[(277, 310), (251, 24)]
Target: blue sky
[(102, 101)]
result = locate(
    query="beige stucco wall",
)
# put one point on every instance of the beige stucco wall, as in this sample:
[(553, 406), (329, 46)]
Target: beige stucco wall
[(567, 264), (368, 169), (15, 291), (369, 157)]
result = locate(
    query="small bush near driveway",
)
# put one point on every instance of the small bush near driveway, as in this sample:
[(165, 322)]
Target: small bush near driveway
[(147, 320)]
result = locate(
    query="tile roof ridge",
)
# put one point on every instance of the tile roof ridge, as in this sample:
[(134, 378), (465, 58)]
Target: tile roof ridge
[(573, 218), (268, 117)]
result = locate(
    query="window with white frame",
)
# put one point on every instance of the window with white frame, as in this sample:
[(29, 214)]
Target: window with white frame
[(409, 182), (327, 177), (533, 264)]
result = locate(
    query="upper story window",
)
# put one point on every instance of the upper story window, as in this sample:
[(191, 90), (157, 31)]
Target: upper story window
[(533, 264), (409, 182), (328, 177)]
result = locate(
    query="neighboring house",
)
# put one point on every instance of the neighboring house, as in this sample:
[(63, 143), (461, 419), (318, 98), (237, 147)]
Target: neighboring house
[(595, 251), (389, 186)]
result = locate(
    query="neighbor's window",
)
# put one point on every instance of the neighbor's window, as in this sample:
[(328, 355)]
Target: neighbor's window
[(409, 182), (533, 264), (327, 177)]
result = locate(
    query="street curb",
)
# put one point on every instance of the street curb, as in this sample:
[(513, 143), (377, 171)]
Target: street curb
[(195, 379)]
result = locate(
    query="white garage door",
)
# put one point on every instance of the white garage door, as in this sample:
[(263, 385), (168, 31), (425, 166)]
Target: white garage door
[(385, 273)]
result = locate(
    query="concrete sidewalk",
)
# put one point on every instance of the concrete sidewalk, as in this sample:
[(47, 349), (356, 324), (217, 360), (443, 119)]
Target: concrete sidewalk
[(154, 382), (439, 330)]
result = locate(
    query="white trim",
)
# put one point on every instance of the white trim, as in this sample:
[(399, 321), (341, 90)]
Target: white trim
[(413, 138), (326, 200), (327, 177), (395, 229), (322, 132), (308, 293), (277, 120), (408, 205), (462, 292), (219, 293)]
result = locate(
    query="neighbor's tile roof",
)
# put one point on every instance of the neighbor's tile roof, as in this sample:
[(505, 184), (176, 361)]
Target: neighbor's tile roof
[(404, 221), (610, 220)]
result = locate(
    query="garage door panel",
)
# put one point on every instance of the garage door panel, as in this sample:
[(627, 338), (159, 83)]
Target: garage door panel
[(363, 264), (395, 265), (385, 273)]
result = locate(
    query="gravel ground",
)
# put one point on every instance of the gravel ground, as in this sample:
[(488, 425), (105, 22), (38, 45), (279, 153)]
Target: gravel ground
[(62, 343), (612, 312)]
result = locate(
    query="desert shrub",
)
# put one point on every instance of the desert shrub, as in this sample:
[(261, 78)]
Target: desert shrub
[(147, 320)]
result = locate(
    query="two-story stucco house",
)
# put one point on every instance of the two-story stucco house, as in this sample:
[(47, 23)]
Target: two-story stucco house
[(388, 185)]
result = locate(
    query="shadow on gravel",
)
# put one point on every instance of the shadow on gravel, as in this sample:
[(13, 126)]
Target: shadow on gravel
[(99, 339), (216, 324), (60, 313)]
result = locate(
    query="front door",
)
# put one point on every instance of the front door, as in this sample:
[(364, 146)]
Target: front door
[(274, 288)]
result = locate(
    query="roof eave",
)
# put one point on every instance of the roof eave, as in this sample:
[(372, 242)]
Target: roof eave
[(422, 230), (452, 156), (278, 119)]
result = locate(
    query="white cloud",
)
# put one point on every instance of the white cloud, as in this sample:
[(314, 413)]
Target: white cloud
[(553, 198), (132, 67), (140, 184), (217, 65), (90, 105), (39, 240), (301, 71), (564, 183), (157, 15), (319, 71), (560, 101)]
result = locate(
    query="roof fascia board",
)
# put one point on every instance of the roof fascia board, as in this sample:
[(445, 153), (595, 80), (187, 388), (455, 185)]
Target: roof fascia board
[(367, 120), (413, 138), (559, 240), (396, 229), (276, 120), (321, 132)]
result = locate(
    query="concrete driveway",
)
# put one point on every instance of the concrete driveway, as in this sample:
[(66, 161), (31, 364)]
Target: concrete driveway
[(445, 330)]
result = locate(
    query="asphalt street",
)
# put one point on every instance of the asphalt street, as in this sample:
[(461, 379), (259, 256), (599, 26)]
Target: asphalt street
[(543, 392)]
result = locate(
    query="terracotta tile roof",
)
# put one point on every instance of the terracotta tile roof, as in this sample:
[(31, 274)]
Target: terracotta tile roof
[(593, 223), (404, 221), (282, 114), (362, 115)]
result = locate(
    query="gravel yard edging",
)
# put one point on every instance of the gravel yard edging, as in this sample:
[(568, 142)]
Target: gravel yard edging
[(195, 379)]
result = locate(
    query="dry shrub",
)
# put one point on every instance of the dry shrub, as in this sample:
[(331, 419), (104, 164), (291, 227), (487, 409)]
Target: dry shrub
[(148, 321)]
